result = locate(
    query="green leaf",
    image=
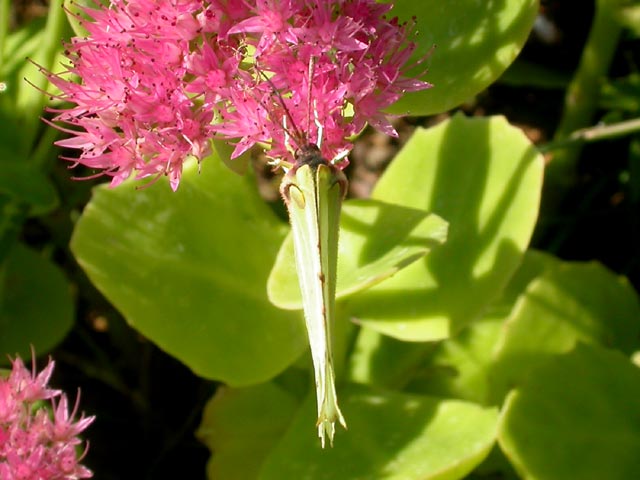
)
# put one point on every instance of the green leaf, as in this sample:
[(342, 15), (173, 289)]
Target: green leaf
[(29, 100), (576, 417), (534, 263), (36, 308), (392, 436), (462, 366), (475, 42), (629, 17), (224, 149), (484, 177), (622, 94), (188, 269), (457, 367), (566, 304), (20, 44), (75, 10), (241, 425), (24, 183), (376, 241), (384, 361)]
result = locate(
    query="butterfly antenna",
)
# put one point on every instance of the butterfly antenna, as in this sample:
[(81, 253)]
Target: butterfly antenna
[(294, 132), (312, 67)]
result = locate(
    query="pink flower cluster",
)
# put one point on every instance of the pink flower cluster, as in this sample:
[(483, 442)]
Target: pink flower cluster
[(34, 443), (160, 78)]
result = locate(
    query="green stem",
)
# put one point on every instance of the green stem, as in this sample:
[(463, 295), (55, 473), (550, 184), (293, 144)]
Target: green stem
[(581, 99), (594, 134), (31, 101), (4, 28)]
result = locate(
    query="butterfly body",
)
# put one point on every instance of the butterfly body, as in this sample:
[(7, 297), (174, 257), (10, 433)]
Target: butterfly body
[(313, 190), (309, 154)]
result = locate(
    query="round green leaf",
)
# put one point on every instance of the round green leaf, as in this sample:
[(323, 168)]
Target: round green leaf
[(474, 44), (462, 366), (577, 417), (456, 367), (188, 269), (383, 361), (376, 240), (36, 308), (484, 177), (534, 264), (391, 436), (224, 150), (241, 425), (568, 303)]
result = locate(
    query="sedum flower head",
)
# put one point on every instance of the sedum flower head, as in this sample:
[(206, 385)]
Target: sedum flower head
[(34, 443), (328, 67), (159, 78)]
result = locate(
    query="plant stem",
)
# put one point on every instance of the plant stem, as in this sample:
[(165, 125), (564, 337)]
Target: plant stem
[(594, 134), (4, 28), (30, 101), (582, 95)]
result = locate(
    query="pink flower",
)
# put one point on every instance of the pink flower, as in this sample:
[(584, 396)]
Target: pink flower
[(35, 445), (325, 68), (160, 78), (133, 112)]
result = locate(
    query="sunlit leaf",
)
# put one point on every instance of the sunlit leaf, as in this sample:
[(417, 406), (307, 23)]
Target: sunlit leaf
[(569, 303), (189, 269), (376, 241), (457, 367), (391, 436), (241, 426), (576, 417), (474, 43), (484, 177)]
